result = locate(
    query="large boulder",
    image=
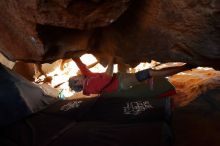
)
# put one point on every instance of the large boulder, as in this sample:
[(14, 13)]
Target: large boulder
[(20, 22), (133, 31)]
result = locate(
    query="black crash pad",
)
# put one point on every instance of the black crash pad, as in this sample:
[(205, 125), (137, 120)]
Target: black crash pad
[(98, 121), (133, 117), (19, 97)]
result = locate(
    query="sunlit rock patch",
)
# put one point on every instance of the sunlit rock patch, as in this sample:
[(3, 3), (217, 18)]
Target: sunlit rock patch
[(5, 61), (190, 84)]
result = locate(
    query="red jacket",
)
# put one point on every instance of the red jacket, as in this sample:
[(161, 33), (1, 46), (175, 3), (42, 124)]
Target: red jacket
[(97, 83)]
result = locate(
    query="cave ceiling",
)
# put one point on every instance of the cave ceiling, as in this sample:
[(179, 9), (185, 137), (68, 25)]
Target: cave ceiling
[(132, 30)]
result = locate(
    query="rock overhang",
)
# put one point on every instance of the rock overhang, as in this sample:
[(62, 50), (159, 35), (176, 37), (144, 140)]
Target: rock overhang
[(133, 31)]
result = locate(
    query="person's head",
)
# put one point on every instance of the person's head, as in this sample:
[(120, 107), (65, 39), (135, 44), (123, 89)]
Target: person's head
[(76, 83)]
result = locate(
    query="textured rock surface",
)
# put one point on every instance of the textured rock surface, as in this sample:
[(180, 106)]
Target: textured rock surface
[(191, 84), (174, 30), (20, 19)]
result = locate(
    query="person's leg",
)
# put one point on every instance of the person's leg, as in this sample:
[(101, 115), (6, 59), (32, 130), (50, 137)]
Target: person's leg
[(167, 71), (143, 75), (127, 80), (148, 73)]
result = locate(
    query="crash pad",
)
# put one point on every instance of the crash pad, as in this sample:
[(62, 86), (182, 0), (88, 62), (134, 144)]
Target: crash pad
[(96, 121), (138, 116), (19, 97)]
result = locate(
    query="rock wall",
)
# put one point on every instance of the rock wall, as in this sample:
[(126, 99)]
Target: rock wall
[(133, 31)]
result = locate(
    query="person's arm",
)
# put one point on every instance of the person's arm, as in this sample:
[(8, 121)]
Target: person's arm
[(89, 66), (109, 70), (83, 68)]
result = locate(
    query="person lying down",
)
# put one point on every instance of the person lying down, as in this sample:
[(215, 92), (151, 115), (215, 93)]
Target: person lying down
[(97, 83), (189, 84)]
